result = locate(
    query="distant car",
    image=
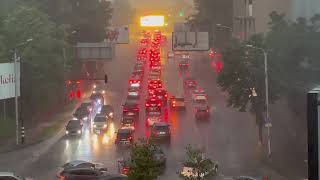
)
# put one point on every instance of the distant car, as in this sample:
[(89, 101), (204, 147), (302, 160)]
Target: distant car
[(153, 104), (159, 156), (189, 82), (128, 121), (89, 105), (100, 124), (134, 86), (177, 103), (160, 130), (74, 127), (198, 92), (184, 64), (155, 71), (154, 84), (153, 117), (78, 164), (161, 94), (98, 98), (12, 176), (99, 88), (124, 137), (131, 106), (202, 111), (81, 113), (134, 95), (135, 79), (107, 110)]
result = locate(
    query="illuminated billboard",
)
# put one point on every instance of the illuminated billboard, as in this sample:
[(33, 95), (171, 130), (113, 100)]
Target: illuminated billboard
[(152, 21)]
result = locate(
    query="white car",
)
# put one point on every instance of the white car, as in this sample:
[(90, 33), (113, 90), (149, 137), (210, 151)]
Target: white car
[(78, 164), (153, 117), (200, 99), (12, 176), (197, 92)]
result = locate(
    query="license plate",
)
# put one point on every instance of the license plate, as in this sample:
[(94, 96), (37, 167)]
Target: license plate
[(162, 132)]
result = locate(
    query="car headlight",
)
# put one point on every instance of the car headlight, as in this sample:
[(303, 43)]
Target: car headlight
[(67, 132), (105, 126), (99, 101), (74, 118), (94, 86), (94, 126), (93, 92), (103, 92), (111, 114), (85, 118), (79, 131)]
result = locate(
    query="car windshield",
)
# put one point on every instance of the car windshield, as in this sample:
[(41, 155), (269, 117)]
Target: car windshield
[(123, 135), (73, 124), (100, 119)]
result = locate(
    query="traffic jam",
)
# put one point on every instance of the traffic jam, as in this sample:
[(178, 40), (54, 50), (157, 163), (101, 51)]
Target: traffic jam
[(146, 89)]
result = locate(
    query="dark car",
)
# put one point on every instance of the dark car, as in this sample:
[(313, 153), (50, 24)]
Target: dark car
[(88, 105), (153, 104), (159, 156), (189, 82), (74, 127), (128, 121), (184, 64), (124, 137), (90, 174), (131, 106), (160, 130), (81, 113), (107, 110), (78, 164), (97, 97)]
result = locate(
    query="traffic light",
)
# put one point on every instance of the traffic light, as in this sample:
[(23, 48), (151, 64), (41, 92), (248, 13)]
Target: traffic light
[(78, 94), (181, 13), (105, 79)]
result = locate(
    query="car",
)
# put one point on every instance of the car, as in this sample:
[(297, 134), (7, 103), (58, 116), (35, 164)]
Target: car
[(138, 73), (155, 66), (153, 117), (135, 79), (138, 67), (107, 110), (170, 54), (200, 99), (12, 176), (155, 71), (124, 137), (134, 87), (98, 98), (161, 94), (154, 84), (198, 92), (88, 173), (100, 124), (160, 130), (202, 111), (88, 105), (177, 103), (128, 121), (74, 127), (99, 88), (81, 113), (144, 42), (153, 77), (131, 106), (133, 95), (184, 64), (189, 82), (153, 104), (78, 164), (124, 166)]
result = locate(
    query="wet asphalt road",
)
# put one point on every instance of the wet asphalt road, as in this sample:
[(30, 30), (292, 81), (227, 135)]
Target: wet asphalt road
[(229, 137)]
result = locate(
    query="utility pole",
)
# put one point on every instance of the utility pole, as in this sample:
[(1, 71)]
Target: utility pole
[(16, 96)]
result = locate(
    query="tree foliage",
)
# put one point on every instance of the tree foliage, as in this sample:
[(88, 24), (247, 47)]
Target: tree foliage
[(144, 166), (201, 165)]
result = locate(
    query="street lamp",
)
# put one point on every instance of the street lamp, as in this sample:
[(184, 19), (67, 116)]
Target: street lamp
[(16, 59), (267, 90)]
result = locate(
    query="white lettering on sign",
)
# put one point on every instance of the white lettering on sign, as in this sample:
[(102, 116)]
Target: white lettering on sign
[(7, 80)]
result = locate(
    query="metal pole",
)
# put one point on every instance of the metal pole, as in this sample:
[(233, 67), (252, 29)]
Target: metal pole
[(267, 97), (16, 96)]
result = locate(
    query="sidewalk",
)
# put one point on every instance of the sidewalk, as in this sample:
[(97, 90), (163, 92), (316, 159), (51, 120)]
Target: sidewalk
[(38, 141)]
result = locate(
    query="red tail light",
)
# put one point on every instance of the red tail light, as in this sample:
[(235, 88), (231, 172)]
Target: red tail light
[(166, 95), (69, 82), (130, 138), (78, 82), (147, 105), (125, 171), (125, 110), (159, 104), (136, 109), (207, 110), (62, 177)]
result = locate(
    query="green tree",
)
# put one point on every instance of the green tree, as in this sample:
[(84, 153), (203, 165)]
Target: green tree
[(202, 167), (243, 78), (42, 64), (144, 166)]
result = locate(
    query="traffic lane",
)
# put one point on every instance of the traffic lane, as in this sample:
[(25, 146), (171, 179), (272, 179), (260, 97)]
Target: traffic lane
[(233, 134), (88, 147)]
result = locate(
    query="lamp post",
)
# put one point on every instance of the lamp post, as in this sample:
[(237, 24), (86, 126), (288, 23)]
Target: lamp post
[(16, 59), (267, 91)]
